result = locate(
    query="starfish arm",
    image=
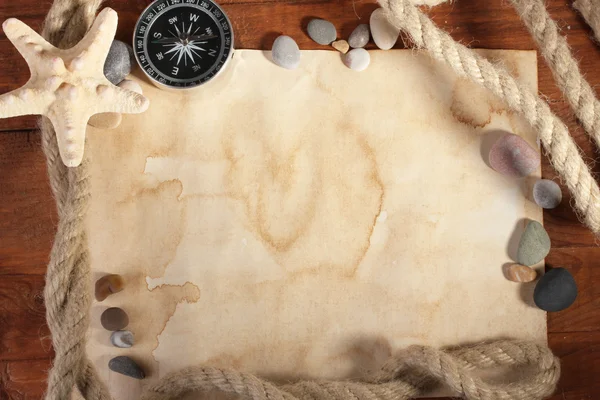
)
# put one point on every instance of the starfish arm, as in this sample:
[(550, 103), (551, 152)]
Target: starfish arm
[(115, 99), (93, 49), (28, 42), (70, 133), (24, 101)]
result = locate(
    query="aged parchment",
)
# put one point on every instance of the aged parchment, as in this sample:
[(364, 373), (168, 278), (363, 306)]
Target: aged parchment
[(307, 223)]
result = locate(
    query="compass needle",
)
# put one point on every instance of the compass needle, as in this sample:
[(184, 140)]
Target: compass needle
[(172, 36)]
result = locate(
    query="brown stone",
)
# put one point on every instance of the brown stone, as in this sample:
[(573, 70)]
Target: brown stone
[(114, 319), (108, 285), (341, 45), (520, 273)]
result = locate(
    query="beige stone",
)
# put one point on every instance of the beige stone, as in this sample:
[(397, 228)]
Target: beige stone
[(341, 45), (112, 120), (68, 86), (520, 273), (308, 223)]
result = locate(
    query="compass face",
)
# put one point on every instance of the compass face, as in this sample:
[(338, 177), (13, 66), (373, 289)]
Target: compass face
[(183, 43)]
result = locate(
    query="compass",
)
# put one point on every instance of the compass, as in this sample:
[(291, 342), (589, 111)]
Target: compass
[(182, 44)]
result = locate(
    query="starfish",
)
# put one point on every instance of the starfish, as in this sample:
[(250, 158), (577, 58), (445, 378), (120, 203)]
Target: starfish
[(68, 86)]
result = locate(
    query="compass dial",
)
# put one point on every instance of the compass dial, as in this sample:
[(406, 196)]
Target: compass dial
[(183, 43)]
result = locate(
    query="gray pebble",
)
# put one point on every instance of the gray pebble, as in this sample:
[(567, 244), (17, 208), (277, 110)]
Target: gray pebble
[(357, 59), (286, 53), (321, 31), (360, 36), (119, 62), (122, 339), (555, 291), (126, 366), (534, 244), (547, 193)]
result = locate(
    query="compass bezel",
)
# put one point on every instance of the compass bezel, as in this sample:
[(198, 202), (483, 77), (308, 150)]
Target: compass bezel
[(157, 77)]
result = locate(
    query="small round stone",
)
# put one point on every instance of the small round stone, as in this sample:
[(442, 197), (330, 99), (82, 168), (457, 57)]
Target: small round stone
[(285, 52), (357, 59), (547, 193), (131, 85), (119, 62), (126, 366), (384, 33), (534, 244), (321, 31), (105, 121), (114, 319), (520, 273), (360, 36), (108, 284), (555, 291), (513, 156), (341, 45), (122, 339)]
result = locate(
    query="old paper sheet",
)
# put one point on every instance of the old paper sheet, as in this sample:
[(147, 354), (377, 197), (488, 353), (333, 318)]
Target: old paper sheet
[(307, 223)]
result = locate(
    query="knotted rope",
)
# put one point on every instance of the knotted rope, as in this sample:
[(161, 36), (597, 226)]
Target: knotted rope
[(411, 372), (590, 10)]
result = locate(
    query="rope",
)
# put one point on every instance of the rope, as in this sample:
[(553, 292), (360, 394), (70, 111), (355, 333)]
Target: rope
[(556, 52), (410, 373), (590, 11), (554, 135)]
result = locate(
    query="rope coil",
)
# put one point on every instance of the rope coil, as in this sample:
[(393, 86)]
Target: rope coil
[(410, 373)]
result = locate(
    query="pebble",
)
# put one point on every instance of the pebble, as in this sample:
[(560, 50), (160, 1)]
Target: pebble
[(126, 366), (513, 156), (321, 31), (114, 319), (357, 59), (122, 339), (520, 273), (107, 285), (119, 62), (384, 33), (360, 36), (341, 45), (131, 85), (555, 291), (534, 244), (285, 52), (547, 193)]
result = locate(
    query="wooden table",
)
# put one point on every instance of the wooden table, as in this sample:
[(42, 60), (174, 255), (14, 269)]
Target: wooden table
[(28, 217)]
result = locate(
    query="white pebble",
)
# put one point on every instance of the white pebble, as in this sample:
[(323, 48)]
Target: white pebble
[(357, 59), (286, 53), (384, 33), (547, 193), (122, 339)]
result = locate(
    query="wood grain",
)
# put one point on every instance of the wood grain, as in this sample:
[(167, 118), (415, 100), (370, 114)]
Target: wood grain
[(28, 216)]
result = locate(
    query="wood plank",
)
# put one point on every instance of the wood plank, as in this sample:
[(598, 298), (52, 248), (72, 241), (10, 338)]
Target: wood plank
[(23, 379), (27, 210), (24, 333)]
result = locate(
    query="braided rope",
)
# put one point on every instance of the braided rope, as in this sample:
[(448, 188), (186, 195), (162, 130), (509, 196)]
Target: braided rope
[(590, 11), (411, 372), (556, 52)]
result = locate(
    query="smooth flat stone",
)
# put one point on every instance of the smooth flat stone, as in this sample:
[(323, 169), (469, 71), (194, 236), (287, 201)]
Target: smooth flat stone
[(114, 319), (534, 244), (126, 366), (360, 36), (285, 52), (547, 194), (131, 85), (357, 59), (105, 120), (321, 31), (384, 33), (555, 291), (520, 273), (513, 156), (119, 62), (107, 285), (341, 45), (122, 339)]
